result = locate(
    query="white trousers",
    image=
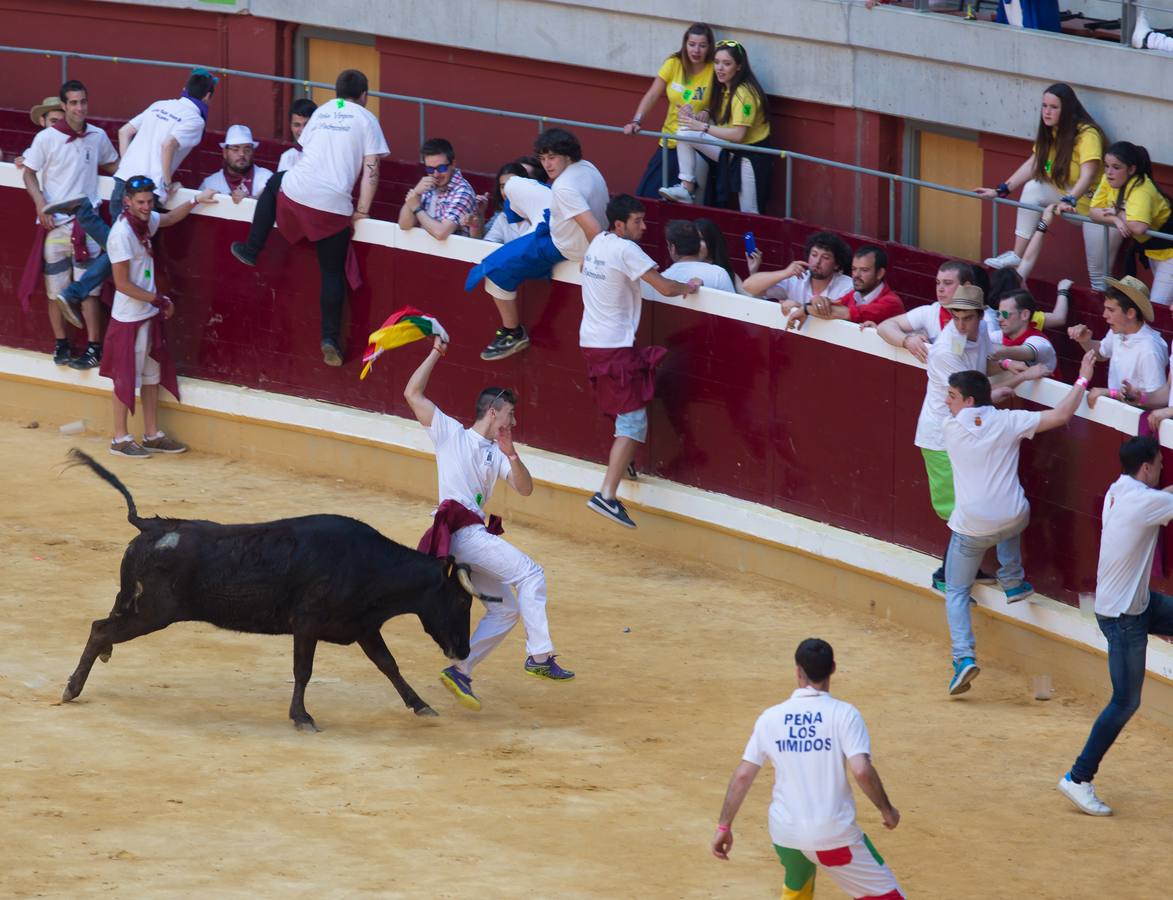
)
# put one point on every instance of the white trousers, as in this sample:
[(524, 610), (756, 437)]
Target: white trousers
[(686, 158), (1162, 293), (1043, 193), (501, 570)]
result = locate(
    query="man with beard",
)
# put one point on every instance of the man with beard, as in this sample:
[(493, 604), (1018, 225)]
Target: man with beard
[(239, 177), (871, 301), (827, 257)]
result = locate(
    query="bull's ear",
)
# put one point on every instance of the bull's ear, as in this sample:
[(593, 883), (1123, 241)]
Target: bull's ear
[(449, 565)]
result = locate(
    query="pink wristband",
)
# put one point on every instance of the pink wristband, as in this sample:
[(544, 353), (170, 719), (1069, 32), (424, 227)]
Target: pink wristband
[(1005, 363), (1143, 399), (723, 829), (1114, 394), (1081, 382)]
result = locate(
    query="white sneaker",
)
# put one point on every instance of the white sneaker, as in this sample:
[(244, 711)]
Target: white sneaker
[(1007, 260), (678, 193), (1083, 796), (1141, 31)]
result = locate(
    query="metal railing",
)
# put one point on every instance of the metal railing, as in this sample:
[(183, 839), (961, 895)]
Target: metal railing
[(1128, 10), (896, 207)]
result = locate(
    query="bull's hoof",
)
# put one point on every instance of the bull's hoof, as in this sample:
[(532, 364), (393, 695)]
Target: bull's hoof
[(307, 725), (426, 710), (105, 655), (68, 694)]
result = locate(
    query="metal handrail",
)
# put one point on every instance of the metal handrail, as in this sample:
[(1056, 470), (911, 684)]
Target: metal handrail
[(789, 156)]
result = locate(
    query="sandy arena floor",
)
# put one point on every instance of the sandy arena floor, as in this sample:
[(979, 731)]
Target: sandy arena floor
[(177, 772)]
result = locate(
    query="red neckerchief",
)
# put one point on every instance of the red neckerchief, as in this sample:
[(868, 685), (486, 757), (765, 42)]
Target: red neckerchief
[(946, 317), (63, 127), (142, 230), (235, 180), (1029, 331)]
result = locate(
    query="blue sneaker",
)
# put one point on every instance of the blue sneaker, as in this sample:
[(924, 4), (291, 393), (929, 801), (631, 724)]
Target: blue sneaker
[(548, 669), (1021, 592), (965, 670), (461, 687)]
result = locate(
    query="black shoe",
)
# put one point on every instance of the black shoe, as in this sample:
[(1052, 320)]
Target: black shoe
[(67, 207), (62, 353), (331, 353), (632, 471), (938, 580), (612, 509), (240, 251), (507, 342), (71, 309), (91, 359), (984, 578)]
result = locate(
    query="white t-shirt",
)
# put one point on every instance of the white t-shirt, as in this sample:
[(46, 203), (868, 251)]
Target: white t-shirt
[(1133, 515), (949, 353), (1142, 359), (808, 739), (990, 320), (713, 276), (926, 319), (218, 183), (121, 246), (501, 231), (983, 444), (467, 465), (289, 159), (179, 119), (798, 288), (611, 300), (334, 141), (1044, 350), (69, 168), (580, 188), (529, 199)]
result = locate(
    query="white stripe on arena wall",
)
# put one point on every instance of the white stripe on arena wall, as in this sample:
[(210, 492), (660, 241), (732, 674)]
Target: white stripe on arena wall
[(752, 521)]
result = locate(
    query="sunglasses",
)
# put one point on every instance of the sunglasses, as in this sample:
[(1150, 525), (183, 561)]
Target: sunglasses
[(727, 43), (438, 170), (140, 183), (1004, 314)]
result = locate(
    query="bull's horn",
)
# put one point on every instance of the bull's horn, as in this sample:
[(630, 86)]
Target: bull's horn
[(465, 581)]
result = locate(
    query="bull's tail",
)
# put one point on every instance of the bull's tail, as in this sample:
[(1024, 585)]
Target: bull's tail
[(79, 458)]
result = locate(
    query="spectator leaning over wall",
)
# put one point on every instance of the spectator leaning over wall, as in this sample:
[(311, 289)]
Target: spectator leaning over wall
[(740, 114), (578, 205), (442, 201), (1064, 165), (686, 79), (870, 301), (66, 158), (239, 177), (821, 272), (517, 217), (300, 112), (342, 143)]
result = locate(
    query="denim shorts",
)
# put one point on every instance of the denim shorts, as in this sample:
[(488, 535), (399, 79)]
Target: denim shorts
[(633, 425)]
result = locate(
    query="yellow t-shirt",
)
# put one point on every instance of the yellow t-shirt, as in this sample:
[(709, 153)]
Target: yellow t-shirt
[(1088, 148), (682, 88), (747, 111), (1144, 203)]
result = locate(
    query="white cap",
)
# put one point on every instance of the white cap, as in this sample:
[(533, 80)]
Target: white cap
[(239, 134)]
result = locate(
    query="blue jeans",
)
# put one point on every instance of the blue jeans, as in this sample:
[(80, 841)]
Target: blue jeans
[(961, 567), (1128, 640), (99, 268)]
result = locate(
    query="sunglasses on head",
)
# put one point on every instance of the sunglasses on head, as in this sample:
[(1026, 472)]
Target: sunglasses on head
[(140, 183), (727, 43), (438, 170)]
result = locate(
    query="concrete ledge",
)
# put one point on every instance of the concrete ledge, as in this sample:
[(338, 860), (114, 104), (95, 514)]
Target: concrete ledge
[(1038, 636)]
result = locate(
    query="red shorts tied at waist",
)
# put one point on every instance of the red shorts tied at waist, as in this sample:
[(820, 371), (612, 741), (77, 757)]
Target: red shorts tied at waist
[(118, 358), (624, 378), (298, 222), (449, 518)]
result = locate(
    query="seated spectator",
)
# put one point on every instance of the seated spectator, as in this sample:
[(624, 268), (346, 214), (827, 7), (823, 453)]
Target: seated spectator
[(686, 79), (684, 248), (827, 257), (740, 116), (1018, 339), (871, 301), (239, 177), (442, 197), (715, 250), (299, 113), (514, 217), (1145, 38), (1064, 164), (918, 328), (1129, 199), (1135, 352)]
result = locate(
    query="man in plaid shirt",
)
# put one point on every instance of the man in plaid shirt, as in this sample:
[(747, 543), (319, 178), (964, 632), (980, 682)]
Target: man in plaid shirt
[(443, 200)]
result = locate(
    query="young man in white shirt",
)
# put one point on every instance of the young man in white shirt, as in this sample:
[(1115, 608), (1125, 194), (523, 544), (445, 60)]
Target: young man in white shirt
[(442, 202), (342, 143), (157, 141), (239, 177), (623, 378), (136, 355), (469, 462), (1017, 337), (684, 249), (991, 509), (916, 330), (811, 739), (821, 273), (869, 302), (578, 206), (1127, 610), (299, 113), (66, 158)]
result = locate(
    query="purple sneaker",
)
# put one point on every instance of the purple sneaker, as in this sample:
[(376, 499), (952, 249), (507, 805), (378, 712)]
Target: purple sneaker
[(461, 687), (548, 669)]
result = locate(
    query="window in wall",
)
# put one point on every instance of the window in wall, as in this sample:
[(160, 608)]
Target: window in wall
[(323, 53)]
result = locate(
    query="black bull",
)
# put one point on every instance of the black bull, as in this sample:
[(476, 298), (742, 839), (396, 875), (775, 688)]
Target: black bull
[(318, 578)]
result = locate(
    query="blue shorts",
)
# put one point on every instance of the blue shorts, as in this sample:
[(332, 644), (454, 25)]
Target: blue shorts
[(633, 425), (532, 255)]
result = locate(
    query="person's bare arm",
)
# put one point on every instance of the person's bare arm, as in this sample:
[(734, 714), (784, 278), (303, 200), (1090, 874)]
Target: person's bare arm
[(522, 481), (757, 284), (109, 168), (898, 332), (183, 210), (421, 407), (1062, 413), (34, 190), (868, 779), (1082, 335), (123, 284), (739, 785), (666, 287), (1057, 317), (437, 228), (589, 225), (367, 187), (168, 159), (1020, 177), (125, 135), (1087, 176), (654, 92)]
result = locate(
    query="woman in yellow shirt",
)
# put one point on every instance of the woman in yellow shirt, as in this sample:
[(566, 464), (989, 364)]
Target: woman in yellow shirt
[(741, 116), (686, 79), (1129, 200), (1063, 166)]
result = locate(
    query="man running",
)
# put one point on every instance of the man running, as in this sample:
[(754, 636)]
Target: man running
[(812, 813), (469, 461)]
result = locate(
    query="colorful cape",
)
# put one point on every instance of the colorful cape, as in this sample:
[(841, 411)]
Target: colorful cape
[(402, 327)]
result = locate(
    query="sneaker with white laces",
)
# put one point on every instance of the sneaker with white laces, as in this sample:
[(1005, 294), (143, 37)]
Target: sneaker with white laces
[(1140, 32), (160, 443), (612, 509), (678, 193), (1007, 260), (1083, 795), (965, 670), (129, 449)]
